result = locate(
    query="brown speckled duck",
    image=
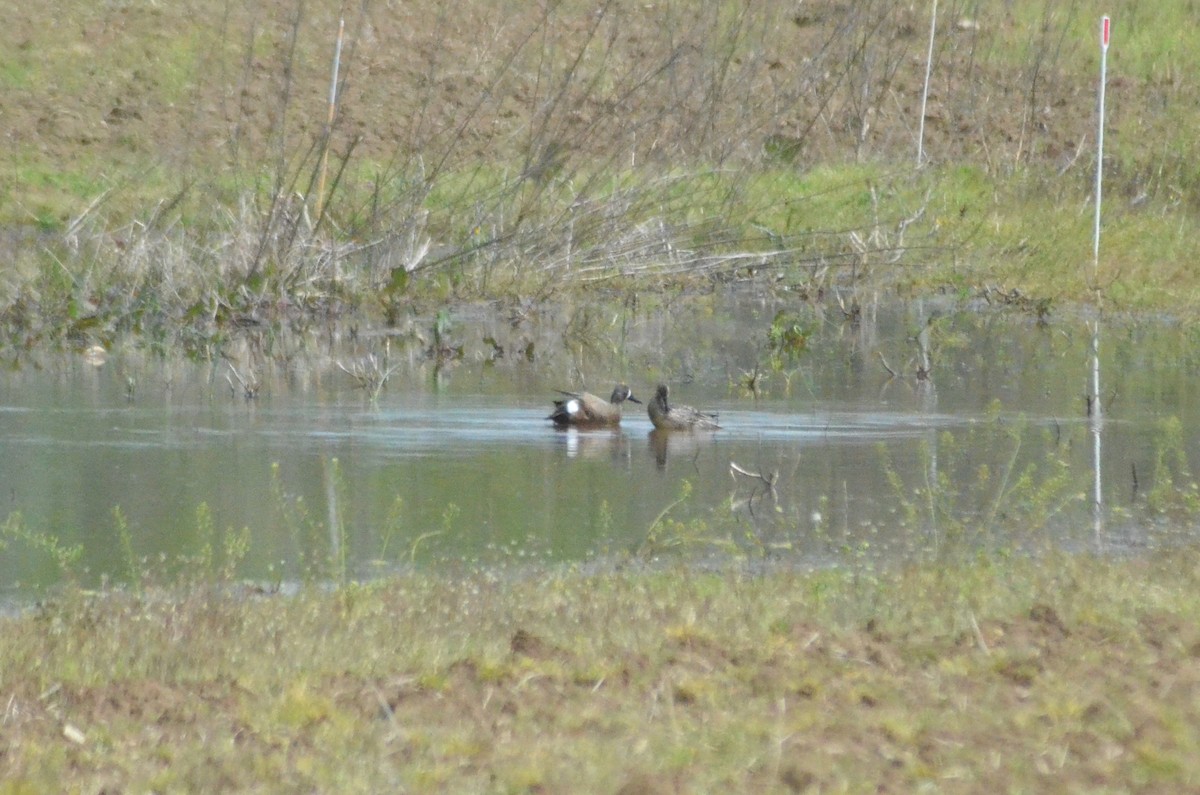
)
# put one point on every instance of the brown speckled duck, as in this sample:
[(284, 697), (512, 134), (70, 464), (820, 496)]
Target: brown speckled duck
[(678, 418)]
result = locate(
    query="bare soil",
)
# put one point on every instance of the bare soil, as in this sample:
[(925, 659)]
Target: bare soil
[(206, 85)]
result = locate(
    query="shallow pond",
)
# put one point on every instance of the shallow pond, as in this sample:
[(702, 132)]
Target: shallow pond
[(843, 453)]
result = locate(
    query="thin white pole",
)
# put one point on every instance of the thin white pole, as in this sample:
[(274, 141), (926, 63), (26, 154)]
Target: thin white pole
[(925, 90), (1097, 421), (333, 85), (1104, 31)]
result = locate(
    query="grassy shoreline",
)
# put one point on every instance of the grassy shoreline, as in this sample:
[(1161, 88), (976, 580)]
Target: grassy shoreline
[(164, 175), (1063, 673)]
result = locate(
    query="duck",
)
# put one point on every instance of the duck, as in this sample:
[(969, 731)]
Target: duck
[(678, 418), (583, 409)]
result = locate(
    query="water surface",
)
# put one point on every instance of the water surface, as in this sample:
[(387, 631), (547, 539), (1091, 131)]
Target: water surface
[(453, 464)]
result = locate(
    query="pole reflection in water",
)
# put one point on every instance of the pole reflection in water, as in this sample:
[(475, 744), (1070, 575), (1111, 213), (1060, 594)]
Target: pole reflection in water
[(1097, 424)]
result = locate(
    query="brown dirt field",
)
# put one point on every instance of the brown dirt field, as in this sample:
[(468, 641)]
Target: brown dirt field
[(190, 87)]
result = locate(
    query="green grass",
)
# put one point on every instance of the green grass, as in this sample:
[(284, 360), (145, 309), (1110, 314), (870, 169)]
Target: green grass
[(563, 136), (1056, 674)]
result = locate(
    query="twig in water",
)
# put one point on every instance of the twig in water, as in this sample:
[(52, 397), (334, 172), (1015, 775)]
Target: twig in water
[(753, 381), (885, 364), (767, 480), (369, 373), (249, 387)]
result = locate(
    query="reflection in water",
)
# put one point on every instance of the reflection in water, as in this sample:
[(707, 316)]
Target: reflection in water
[(1096, 426), (457, 464), (595, 443), (927, 404), (682, 445), (761, 485)]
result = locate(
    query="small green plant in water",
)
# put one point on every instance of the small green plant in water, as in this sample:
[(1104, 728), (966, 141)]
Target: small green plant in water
[(786, 341), (133, 568), (604, 519), (961, 500), (787, 338), (66, 558), (1174, 489), (391, 526), (451, 513), (338, 541), (237, 546), (304, 529), (667, 533), (205, 530)]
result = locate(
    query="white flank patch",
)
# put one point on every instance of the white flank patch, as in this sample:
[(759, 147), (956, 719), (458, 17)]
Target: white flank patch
[(573, 407)]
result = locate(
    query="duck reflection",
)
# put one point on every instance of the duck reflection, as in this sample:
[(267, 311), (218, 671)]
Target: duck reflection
[(594, 444), (687, 445)]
